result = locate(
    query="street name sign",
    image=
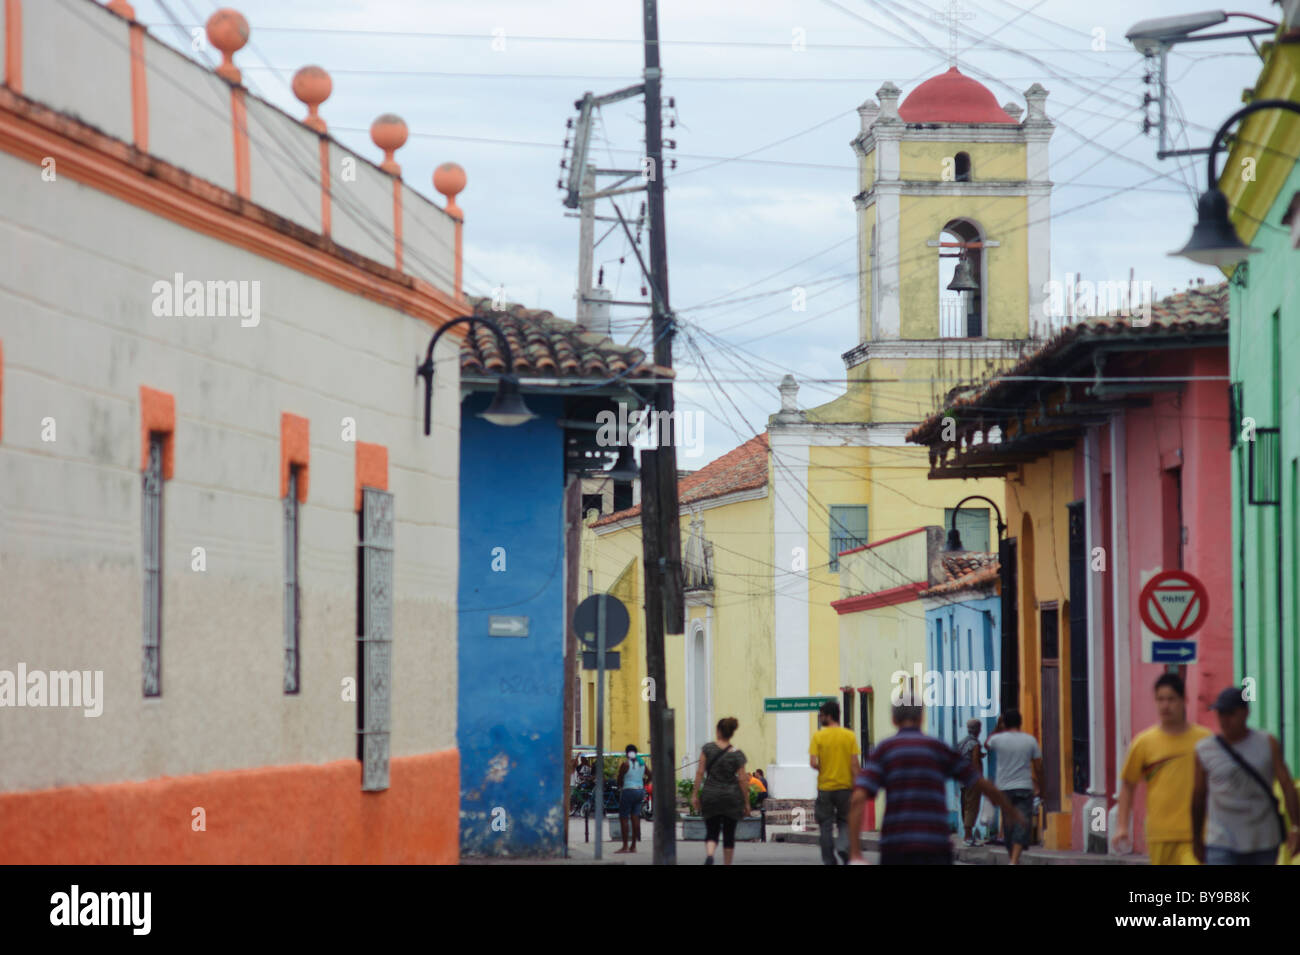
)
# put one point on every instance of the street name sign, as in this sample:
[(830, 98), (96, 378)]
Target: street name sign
[(507, 626), (794, 704)]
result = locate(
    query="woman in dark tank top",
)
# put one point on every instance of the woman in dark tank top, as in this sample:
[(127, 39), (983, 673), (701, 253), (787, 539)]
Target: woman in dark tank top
[(721, 791)]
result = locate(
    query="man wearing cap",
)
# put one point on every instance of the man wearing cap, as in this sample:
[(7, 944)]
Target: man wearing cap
[(1234, 775)]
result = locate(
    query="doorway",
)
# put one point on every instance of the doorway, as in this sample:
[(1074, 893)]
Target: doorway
[(1049, 631)]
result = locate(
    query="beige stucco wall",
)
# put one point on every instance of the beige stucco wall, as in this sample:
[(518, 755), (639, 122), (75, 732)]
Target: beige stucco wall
[(79, 340)]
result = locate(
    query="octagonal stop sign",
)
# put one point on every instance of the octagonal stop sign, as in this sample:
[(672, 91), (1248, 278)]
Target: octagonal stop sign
[(1174, 605)]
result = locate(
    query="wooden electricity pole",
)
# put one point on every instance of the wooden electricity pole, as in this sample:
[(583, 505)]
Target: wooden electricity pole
[(659, 527)]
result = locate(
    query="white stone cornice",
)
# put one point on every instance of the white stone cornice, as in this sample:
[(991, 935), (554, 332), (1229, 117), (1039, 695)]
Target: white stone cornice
[(965, 133), (936, 187), (841, 434), (977, 348)]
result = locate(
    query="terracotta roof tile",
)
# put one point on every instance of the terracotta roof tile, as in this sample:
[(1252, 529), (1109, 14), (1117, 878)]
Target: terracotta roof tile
[(545, 346), (1193, 313), (965, 571), (740, 469)]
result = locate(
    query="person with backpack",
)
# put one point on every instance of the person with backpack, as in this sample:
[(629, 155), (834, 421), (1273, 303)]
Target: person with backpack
[(721, 791), (1235, 818)]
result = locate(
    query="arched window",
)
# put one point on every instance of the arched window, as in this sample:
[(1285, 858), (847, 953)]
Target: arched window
[(962, 167), (961, 280)]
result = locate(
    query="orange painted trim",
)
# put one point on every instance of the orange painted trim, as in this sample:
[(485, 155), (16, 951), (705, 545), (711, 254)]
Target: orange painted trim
[(13, 44), (883, 598), (295, 449), (372, 469), (397, 223), (139, 90), (32, 131), (460, 230), (158, 414), (239, 118), (324, 185), (271, 815)]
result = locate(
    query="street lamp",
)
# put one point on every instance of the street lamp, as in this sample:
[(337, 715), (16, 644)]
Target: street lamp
[(1155, 38), (507, 408), (954, 538), (1214, 241)]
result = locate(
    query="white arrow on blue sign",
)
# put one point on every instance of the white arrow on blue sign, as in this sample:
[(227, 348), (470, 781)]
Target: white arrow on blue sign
[(507, 626), (1173, 651)]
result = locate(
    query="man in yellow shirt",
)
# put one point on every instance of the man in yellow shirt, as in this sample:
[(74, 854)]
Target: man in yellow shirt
[(1163, 756), (834, 754)]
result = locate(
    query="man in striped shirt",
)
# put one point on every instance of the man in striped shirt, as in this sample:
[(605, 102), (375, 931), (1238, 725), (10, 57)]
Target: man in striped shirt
[(913, 767)]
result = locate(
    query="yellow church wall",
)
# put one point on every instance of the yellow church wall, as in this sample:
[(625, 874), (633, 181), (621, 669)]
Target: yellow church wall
[(996, 162), (739, 625), (1001, 219), (866, 223), (744, 648)]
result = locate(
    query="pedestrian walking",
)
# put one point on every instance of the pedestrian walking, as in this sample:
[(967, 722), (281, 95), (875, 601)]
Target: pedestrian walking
[(913, 767), (1163, 756), (721, 791), (1019, 776), (633, 774), (834, 754), (1233, 771), (970, 748)]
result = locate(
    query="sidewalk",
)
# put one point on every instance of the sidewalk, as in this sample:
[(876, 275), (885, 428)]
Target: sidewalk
[(979, 855)]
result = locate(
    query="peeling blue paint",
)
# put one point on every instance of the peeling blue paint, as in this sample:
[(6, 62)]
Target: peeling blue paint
[(511, 703)]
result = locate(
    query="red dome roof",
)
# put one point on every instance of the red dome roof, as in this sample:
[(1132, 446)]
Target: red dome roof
[(952, 97)]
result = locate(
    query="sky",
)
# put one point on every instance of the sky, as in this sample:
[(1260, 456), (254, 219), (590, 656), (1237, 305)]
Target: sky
[(761, 198)]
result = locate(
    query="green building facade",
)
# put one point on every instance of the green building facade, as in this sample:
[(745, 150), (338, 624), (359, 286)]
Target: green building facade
[(1262, 182)]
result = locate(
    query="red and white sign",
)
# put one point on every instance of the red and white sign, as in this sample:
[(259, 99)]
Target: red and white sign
[(1174, 605)]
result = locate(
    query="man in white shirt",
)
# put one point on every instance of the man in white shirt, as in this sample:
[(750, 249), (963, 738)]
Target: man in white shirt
[(1020, 776)]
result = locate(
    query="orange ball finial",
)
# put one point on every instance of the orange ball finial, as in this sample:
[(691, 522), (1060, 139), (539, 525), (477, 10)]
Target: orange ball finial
[(313, 86), (449, 179), (228, 32), (388, 132), (122, 9)]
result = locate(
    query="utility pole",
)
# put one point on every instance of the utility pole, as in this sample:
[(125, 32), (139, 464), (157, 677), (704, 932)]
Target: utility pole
[(586, 242), (663, 581)]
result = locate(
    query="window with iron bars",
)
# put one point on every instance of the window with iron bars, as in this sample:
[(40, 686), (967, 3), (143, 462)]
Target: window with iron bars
[(848, 529), (151, 554), (292, 591)]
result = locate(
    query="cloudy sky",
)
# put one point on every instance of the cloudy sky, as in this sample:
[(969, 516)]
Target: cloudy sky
[(761, 199)]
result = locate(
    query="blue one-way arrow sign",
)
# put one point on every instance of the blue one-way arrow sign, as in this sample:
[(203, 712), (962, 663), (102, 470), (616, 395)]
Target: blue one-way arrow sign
[(1173, 651)]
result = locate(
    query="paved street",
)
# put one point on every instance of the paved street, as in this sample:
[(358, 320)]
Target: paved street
[(692, 853)]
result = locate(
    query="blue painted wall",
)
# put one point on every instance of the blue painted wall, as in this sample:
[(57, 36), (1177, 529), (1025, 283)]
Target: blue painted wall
[(965, 635), (510, 725)]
